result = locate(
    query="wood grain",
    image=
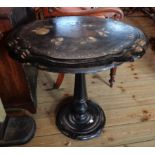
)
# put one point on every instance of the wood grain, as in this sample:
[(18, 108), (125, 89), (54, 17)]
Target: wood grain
[(15, 83)]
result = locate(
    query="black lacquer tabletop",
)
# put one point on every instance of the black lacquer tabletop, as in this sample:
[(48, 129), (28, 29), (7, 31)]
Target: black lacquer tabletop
[(77, 44)]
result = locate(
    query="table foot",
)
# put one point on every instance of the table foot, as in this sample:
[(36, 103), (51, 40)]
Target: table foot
[(82, 129), (112, 76), (17, 130)]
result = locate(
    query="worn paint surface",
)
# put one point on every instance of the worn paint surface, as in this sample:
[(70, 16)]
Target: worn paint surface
[(78, 42)]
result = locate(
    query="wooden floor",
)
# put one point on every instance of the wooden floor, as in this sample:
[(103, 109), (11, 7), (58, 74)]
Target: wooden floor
[(129, 106)]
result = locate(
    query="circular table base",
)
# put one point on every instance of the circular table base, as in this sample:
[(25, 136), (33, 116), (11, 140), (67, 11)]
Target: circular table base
[(85, 129)]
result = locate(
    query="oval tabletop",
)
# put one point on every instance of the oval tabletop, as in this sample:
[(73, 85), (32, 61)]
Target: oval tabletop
[(76, 44)]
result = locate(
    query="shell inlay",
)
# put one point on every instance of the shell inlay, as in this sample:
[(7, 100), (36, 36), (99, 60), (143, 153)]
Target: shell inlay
[(92, 39), (41, 31)]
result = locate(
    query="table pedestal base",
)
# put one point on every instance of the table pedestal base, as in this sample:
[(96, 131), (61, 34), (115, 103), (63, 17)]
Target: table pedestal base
[(17, 130), (80, 118), (75, 128)]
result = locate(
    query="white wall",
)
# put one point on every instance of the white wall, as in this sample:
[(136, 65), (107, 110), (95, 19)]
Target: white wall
[(2, 112)]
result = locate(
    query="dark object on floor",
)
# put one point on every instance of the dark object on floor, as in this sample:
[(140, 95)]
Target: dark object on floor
[(77, 45), (17, 130)]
